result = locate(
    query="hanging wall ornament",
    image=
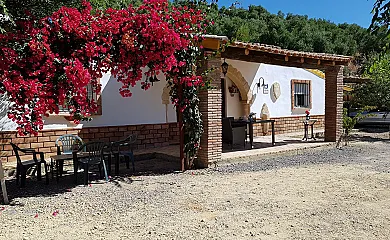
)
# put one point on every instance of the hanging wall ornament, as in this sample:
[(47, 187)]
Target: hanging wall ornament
[(275, 91), (265, 115)]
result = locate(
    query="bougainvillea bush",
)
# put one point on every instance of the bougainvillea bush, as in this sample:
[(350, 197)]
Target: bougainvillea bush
[(47, 63)]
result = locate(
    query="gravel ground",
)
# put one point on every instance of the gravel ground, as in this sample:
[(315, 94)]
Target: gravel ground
[(317, 194)]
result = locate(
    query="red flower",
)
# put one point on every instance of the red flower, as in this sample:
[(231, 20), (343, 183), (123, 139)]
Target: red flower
[(51, 72), (55, 213), (307, 112)]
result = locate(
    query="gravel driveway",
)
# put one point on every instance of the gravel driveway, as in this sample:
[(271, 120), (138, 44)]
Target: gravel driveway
[(319, 194)]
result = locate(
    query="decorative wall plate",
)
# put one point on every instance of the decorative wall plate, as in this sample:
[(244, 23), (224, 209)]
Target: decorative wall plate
[(275, 91)]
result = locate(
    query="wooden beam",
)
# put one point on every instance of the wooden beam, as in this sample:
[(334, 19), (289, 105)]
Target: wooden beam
[(210, 43)]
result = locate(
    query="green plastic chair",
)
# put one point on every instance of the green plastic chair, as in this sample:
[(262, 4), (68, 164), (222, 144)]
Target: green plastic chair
[(65, 144)]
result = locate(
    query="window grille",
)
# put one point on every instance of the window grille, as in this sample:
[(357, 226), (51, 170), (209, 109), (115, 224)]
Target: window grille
[(301, 95), (91, 94)]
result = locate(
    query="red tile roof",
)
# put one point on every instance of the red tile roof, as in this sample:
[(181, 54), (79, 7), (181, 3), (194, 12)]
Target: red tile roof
[(285, 52)]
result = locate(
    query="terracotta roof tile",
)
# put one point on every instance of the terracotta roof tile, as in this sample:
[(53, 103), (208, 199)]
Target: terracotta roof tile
[(278, 50)]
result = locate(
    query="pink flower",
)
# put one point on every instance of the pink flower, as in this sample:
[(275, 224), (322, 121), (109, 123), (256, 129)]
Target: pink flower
[(152, 35)]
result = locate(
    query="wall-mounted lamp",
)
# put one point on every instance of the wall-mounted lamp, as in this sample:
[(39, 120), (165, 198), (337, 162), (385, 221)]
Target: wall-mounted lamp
[(259, 85), (224, 67), (153, 79)]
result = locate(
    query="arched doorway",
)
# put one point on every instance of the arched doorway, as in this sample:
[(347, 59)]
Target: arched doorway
[(245, 94)]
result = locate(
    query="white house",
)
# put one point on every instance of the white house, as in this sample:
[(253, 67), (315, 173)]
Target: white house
[(152, 116)]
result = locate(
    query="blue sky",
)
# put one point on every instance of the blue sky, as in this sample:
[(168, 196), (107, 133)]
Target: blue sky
[(338, 11)]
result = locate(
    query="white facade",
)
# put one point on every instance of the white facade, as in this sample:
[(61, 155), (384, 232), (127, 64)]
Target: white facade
[(252, 72), (234, 106), (143, 107), (146, 107)]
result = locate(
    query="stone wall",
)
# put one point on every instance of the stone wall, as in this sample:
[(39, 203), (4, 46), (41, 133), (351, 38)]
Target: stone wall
[(289, 124), (149, 136)]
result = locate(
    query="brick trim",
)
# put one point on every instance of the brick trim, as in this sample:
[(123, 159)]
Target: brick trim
[(149, 136), (289, 124), (293, 82)]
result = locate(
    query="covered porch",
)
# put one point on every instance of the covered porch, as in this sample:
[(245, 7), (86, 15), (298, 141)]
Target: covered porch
[(212, 101)]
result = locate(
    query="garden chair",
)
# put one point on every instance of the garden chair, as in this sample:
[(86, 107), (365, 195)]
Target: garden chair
[(38, 158), (93, 156), (69, 143), (233, 136), (65, 144), (124, 148)]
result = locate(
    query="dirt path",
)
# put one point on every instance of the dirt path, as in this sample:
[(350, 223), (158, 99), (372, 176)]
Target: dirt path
[(321, 194)]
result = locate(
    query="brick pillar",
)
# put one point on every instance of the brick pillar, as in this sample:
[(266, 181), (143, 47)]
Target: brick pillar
[(211, 108), (333, 103)]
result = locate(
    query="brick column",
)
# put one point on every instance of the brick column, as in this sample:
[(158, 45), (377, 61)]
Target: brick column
[(211, 108), (333, 103)]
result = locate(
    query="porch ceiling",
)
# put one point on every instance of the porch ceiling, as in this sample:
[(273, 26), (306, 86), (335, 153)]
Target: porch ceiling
[(261, 53)]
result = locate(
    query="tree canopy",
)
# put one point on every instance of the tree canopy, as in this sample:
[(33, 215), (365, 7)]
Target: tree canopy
[(381, 18), (254, 24), (375, 93), (296, 32), (13, 10)]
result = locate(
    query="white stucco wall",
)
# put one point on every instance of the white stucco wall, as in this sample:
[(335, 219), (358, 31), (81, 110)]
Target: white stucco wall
[(5, 122), (283, 75), (233, 104), (143, 107)]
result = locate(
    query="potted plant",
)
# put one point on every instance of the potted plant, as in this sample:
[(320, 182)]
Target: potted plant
[(232, 90), (307, 115)]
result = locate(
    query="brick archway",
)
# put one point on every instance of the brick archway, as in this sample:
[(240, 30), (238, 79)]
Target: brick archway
[(246, 94)]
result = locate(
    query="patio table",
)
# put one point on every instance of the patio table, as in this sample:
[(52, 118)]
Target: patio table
[(309, 123), (250, 123), (74, 157)]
